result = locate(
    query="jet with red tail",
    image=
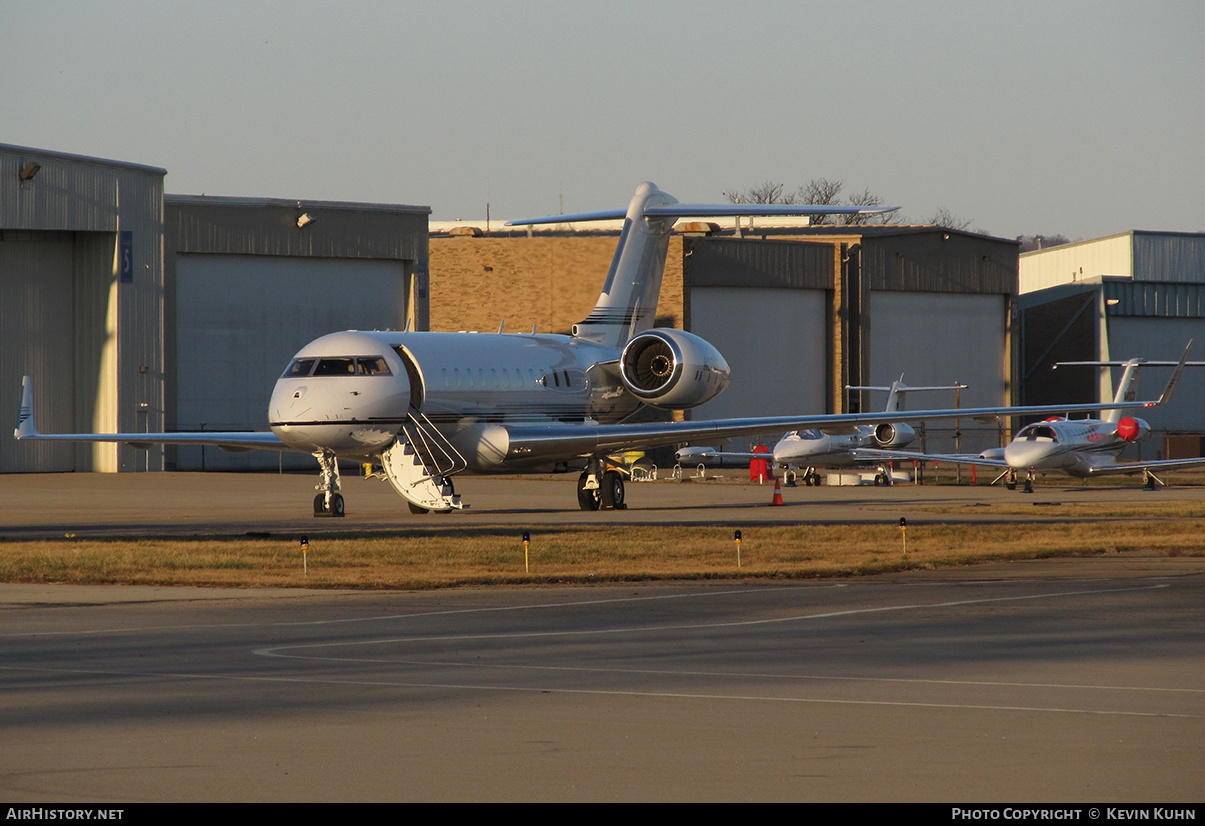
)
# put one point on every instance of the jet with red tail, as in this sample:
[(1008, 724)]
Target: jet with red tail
[(1080, 447)]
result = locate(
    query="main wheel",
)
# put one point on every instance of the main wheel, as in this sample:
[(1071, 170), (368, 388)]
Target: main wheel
[(336, 504), (612, 490), (320, 505), (587, 499), (419, 509)]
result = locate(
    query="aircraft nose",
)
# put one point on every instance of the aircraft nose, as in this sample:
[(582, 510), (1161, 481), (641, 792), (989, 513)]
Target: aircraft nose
[(289, 401), (1025, 455)]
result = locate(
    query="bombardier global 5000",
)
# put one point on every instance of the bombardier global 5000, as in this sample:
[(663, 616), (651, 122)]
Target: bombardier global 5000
[(422, 406)]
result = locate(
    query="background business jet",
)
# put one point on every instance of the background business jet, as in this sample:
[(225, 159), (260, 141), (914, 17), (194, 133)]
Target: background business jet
[(833, 446), (1080, 447), (423, 406)]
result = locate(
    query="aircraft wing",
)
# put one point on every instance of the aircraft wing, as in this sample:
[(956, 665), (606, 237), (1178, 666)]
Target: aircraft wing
[(677, 210), (235, 441), (1138, 467), (876, 455), (570, 441)]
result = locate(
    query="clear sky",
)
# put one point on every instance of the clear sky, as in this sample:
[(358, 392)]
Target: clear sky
[(1048, 117)]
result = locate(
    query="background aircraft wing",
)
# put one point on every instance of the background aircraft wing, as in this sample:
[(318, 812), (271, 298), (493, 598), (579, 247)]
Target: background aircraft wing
[(238, 440), (1138, 467), (876, 455)]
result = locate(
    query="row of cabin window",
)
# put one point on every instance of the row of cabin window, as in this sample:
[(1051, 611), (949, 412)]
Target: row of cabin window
[(505, 378)]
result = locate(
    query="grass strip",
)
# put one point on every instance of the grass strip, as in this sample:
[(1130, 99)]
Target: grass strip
[(416, 559)]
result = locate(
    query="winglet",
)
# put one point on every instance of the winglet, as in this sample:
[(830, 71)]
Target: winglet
[(1171, 383), (25, 426)]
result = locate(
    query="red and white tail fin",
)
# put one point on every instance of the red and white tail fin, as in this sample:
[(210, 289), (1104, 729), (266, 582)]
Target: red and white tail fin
[(1127, 389)]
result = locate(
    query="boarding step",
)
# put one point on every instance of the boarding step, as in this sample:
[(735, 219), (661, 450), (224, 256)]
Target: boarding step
[(415, 481)]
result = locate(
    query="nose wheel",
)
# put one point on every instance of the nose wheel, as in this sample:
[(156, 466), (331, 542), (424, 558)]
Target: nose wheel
[(334, 508)]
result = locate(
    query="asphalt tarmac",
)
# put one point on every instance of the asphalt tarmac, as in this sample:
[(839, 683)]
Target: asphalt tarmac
[(49, 505), (1063, 681)]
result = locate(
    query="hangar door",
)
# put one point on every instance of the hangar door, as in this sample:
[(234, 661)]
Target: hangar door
[(1159, 339), (937, 339), (240, 318), (775, 341), (37, 339)]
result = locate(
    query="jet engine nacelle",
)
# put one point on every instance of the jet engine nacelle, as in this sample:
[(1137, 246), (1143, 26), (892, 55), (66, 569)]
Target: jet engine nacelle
[(893, 435), (671, 368), (1132, 429), (695, 454)]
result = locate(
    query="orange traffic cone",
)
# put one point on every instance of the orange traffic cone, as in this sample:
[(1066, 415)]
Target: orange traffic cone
[(777, 500)]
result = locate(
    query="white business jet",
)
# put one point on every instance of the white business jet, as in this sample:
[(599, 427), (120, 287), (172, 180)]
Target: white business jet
[(423, 406), (1081, 447), (833, 446)]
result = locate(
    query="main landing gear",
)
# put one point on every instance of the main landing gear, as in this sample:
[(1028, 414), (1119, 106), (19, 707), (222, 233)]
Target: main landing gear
[(329, 502), (810, 477), (600, 487), (1010, 480)]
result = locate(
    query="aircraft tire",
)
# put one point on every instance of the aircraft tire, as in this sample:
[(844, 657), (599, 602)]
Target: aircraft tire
[(612, 490), (320, 505), (337, 504), (417, 509), (587, 500)]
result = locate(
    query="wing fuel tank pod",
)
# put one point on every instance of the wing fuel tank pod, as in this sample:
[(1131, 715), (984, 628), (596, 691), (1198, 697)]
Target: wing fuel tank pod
[(671, 368)]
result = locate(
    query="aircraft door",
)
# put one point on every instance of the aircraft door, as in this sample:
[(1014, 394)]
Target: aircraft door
[(414, 375)]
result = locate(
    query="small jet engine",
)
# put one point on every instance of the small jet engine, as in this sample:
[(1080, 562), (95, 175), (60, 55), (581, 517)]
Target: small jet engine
[(893, 435), (1132, 429)]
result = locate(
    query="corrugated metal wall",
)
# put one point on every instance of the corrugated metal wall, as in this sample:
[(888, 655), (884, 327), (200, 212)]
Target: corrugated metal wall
[(1073, 263), (114, 214), (798, 319), (352, 266)]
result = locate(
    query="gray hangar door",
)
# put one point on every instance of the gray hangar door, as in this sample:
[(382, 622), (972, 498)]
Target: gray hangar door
[(1160, 339), (775, 342), (37, 339), (240, 318), (937, 339)]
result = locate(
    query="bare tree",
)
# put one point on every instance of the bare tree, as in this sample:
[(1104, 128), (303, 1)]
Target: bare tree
[(869, 200), (944, 218), (767, 193), (818, 191)]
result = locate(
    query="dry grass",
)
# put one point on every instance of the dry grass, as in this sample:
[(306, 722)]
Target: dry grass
[(450, 557)]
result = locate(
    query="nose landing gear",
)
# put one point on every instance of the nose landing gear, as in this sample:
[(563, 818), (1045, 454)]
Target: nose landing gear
[(329, 502)]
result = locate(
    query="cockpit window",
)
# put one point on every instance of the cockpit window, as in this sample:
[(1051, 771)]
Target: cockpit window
[(337, 366), (1038, 431), (300, 368), (371, 366)]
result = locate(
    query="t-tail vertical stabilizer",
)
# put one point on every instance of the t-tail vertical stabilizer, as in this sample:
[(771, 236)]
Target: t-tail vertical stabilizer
[(628, 302)]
